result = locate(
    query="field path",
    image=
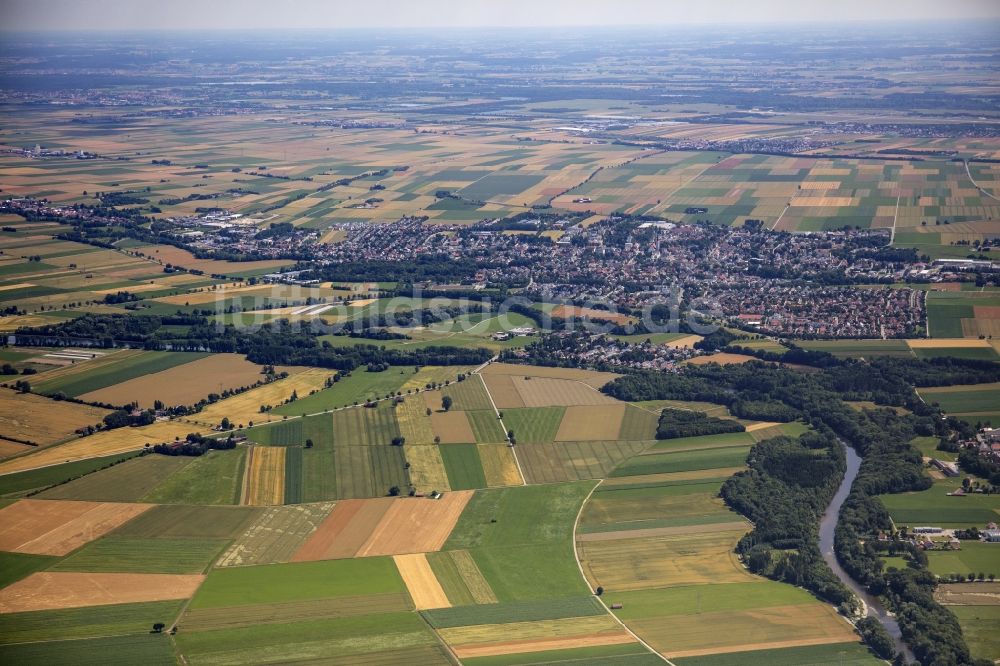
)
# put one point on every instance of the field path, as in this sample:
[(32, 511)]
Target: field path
[(978, 186), (504, 427)]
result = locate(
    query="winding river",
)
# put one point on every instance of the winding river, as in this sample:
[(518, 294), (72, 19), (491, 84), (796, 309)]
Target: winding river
[(827, 526)]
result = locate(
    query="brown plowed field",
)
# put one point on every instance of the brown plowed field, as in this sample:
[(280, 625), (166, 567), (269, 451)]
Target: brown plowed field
[(43, 527), (452, 427), (416, 525), (345, 530), (55, 590)]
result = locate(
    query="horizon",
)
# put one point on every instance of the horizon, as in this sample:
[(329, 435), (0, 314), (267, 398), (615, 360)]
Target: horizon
[(314, 15)]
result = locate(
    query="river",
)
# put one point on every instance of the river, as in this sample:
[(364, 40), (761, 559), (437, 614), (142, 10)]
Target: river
[(827, 526)]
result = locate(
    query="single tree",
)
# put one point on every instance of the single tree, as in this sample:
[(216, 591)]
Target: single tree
[(446, 402)]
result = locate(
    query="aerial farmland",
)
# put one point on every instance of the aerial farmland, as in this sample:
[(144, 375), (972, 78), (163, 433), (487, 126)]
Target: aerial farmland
[(499, 346)]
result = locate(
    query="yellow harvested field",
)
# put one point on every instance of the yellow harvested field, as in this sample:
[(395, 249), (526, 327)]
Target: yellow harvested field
[(56, 590), (499, 465), (550, 392), (822, 202), (203, 296), (937, 343), (421, 583), (44, 527), (414, 424), (543, 645), (264, 478), (416, 525), (762, 425), (452, 427), (245, 407), (722, 358), (427, 470), (104, 443), (590, 377), (687, 342), (513, 637), (591, 423), (692, 635), (184, 384), (664, 561), (33, 418), (573, 312)]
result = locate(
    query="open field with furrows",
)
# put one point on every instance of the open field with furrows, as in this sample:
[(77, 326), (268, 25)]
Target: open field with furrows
[(414, 423), (365, 426), (191, 522), (459, 576), (57, 590), (183, 385), (569, 461), (44, 527), (259, 614), (91, 376), (360, 386), (232, 587), (131, 649), (116, 554), (500, 467), (129, 481), (977, 607), (589, 377), (32, 418), (662, 561), (213, 478), (535, 425), (275, 535), (245, 407), (86, 622), (427, 471), (168, 254), (264, 477), (516, 637), (104, 443), (851, 653), (367, 528), (549, 391), (971, 403), (368, 471), (432, 374), (463, 465), (486, 426), (592, 422), (452, 427), (466, 395), (577, 313)]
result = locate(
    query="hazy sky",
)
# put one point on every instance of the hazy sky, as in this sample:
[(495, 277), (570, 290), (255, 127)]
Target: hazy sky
[(277, 14)]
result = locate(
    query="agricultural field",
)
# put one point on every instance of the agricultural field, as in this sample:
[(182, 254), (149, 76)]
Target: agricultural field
[(974, 404), (977, 607), (933, 507), (89, 378), (128, 481), (25, 417), (185, 384)]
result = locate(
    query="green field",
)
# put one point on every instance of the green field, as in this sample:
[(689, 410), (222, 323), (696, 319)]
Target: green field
[(126, 482), (190, 522), (544, 571), (360, 386), (707, 599), (365, 426), (144, 555), (383, 639), (519, 516), (834, 654), (87, 622), (955, 400), (486, 427), (981, 628), (364, 471), (15, 566), (933, 507), (975, 557), (464, 468), (14, 485), (534, 425), (627, 654), (638, 424), (146, 649), (468, 395), (856, 348), (517, 611), (213, 478), (722, 440), (302, 581), (115, 373), (683, 461)]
